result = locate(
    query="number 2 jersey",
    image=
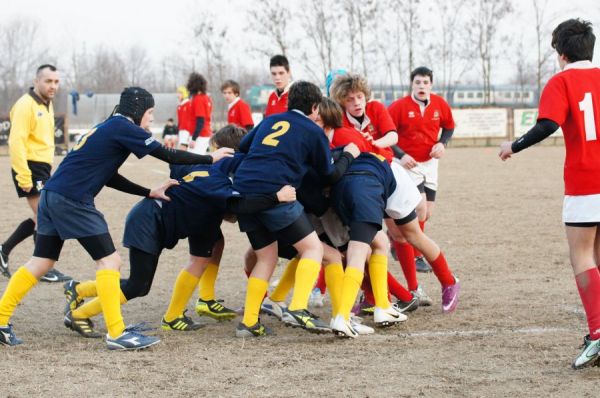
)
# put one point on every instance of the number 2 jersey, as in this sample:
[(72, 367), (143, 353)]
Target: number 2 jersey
[(279, 152), (572, 100)]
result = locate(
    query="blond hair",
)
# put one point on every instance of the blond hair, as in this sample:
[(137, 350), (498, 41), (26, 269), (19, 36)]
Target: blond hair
[(344, 85)]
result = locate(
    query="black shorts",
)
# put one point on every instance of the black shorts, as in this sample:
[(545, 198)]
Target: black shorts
[(40, 173)]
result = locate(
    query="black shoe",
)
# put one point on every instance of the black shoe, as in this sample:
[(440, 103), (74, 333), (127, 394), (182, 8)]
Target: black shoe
[(407, 306), (4, 263), (84, 327), (73, 299), (257, 330), (422, 265), (55, 275)]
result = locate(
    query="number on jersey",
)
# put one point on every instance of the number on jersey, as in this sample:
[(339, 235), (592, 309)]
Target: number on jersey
[(587, 107), (280, 128)]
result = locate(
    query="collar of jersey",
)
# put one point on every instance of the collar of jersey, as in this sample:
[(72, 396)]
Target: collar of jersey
[(37, 98), (366, 121), (235, 101), (580, 65)]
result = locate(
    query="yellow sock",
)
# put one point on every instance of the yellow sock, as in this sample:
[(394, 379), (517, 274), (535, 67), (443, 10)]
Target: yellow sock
[(185, 284), (334, 278), (350, 286), (109, 290), (92, 308), (379, 282), (286, 282), (254, 296), (19, 285), (306, 277), (86, 289), (207, 282)]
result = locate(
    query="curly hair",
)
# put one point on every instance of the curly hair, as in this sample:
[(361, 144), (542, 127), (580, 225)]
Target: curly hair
[(351, 83), (196, 84)]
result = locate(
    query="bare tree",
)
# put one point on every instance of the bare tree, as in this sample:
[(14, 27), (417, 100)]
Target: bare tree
[(212, 39), (540, 8), (316, 21), (366, 18), (524, 71), (483, 30), (107, 71), (137, 65), (271, 19)]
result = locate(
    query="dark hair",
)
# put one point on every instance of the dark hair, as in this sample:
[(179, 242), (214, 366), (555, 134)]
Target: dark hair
[(229, 136), (574, 39), (45, 66), (233, 85), (303, 96), (170, 119), (421, 71), (280, 60), (331, 113), (196, 84)]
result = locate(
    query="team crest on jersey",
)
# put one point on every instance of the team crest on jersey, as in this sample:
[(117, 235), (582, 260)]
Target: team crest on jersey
[(436, 115), (411, 114)]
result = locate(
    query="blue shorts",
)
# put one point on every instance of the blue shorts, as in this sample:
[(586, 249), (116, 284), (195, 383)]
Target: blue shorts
[(143, 227), (68, 218), (273, 219), (359, 198)]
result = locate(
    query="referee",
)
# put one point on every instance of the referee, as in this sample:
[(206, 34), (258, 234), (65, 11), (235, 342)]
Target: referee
[(31, 148)]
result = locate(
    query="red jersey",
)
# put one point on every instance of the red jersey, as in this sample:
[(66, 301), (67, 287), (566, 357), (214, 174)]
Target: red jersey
[(418, 127), (345, 135), (184, 116), (277, 104), (377, 122), (201, 107), (572, 100), (239, 113)]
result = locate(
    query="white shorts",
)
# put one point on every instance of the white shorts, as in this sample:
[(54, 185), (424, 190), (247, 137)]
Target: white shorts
[(184, 137), (200, 146), (425, 173), (581, 209), (405, 197)]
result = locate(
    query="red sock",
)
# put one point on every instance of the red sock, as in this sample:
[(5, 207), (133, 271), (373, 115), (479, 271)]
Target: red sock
[(321, 281), (417, 252), (368, 290), (588, 284), (397, 289), (406, 258), (442, 271)]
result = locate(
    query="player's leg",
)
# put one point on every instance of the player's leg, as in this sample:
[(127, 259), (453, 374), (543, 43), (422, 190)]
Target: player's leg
[(583, 240)]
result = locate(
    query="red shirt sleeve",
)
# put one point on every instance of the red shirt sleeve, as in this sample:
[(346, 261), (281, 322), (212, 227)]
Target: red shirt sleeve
[(381, 119), (198, 106), (245, 115), (344, 136), (447, 121), (554, 103)]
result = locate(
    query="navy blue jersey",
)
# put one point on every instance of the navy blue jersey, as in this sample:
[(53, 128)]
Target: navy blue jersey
[(199, 201), (279, 152), (375, 165), (97, 157)]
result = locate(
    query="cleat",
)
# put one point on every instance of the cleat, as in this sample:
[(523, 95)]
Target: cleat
[(84, 327), (356, 324), (55, 275), (131, 339), (422, 264), (388, 317), (182, 323), (4, 263), (258, 330), (424, 299), (214, 309), (363, 307), (589, 355), (316, 298), (273, 308), (7, 336), (342, 328), (407, 306), (305, 320), (450, 297), (73, 299)]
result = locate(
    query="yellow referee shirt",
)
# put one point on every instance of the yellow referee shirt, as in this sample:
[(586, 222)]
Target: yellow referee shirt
[(31, 135)]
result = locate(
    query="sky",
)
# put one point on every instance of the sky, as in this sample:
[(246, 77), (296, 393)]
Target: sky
[(162, 26)]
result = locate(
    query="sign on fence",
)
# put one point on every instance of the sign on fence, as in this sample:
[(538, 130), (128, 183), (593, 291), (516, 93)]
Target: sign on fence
[(59, 132), (480, 123), (525, 119)]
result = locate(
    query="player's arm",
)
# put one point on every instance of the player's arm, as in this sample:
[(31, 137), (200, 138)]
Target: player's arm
[(198, 128), (120, 183), (542, 130), (17, 144), (176, 156), (388, 139), (254, 203), (439, 148)]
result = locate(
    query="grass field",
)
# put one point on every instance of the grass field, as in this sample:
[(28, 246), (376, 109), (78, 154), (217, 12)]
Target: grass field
[(517, 328)]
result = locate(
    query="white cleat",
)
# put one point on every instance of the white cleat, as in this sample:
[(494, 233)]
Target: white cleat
[(388, 317), (342, 328), (316, 298), (356, 323)]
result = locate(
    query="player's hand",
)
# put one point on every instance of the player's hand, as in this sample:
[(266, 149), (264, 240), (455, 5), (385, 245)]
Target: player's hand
[(159, 192), (352, 149), (26, 189), (221, 153), (191, 144), (437, 151), (408, 162), (505, 150), (286, 194), (367, 137)]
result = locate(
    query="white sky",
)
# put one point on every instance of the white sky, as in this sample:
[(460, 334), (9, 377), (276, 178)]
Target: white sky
[(163, 26)]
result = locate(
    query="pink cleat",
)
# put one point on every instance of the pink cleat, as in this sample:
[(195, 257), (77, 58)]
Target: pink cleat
[(450, 297)]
